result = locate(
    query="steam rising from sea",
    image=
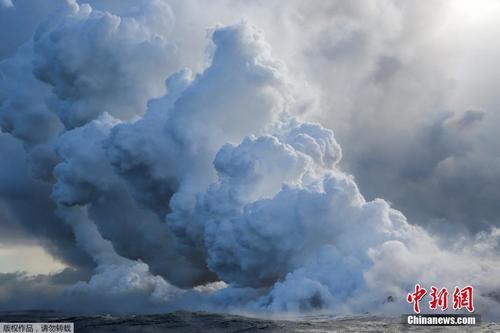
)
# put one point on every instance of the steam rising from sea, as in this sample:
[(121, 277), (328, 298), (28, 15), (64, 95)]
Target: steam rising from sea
[(199, 189)]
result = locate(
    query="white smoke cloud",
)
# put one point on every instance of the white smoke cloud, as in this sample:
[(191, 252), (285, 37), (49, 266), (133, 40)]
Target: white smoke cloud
[(23, 112), (219, 186), (116, 278), (87, 57)]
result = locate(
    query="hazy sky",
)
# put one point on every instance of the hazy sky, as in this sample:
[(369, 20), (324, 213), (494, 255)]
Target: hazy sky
[(31, 259)]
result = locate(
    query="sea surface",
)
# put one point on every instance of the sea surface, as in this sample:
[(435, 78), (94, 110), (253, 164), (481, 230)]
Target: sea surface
[(184, 322)]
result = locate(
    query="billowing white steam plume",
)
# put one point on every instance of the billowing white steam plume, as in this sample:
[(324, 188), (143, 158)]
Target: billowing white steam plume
[(218, 187)]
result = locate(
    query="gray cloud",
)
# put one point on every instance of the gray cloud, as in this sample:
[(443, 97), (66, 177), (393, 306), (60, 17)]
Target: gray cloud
[(146, 177), (20, 18), (28, 210)]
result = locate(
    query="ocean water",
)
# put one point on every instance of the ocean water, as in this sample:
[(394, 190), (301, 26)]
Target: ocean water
[(184, 322)]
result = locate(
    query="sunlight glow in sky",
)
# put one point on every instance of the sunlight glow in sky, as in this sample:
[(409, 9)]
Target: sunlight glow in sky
[(31, 259)]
